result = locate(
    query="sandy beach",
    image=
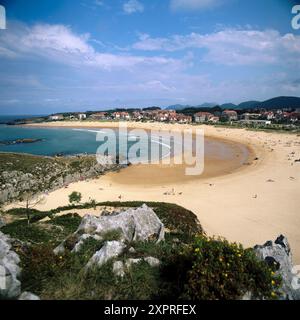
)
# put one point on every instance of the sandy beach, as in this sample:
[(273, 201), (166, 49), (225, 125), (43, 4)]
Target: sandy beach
[(251, 204)]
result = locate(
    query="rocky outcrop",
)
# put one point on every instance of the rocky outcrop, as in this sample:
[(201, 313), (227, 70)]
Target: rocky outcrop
[(279, 254), (51, 175), (2, 222), (19, 141), (134, 225), (120, 268), (110, 249), (139, 224), (28, 296), (10, 286)]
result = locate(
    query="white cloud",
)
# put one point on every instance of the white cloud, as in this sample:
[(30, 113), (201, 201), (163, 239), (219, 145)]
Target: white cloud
[(189, 5), (61, 44), (52, 61), (231, 46), (133, 6)]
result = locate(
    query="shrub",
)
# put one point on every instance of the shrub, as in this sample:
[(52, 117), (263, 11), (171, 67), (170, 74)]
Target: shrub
[(70, 222), (214, 269), (22, 231), (39, 264), (75, 197)]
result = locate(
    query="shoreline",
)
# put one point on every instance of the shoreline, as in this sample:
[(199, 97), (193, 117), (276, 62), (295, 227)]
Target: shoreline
[(250, 205)]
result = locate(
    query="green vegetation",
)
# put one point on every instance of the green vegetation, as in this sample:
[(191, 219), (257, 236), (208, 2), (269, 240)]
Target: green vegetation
[(214, 269), (180, 221), (75, 197), (22, 173), (279, 128), (192, 265)]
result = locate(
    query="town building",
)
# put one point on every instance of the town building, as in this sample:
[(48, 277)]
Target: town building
[(121, 115), (200, 117), (229, 115), (56, 117), (99, 116), (81, 116), (182, 118)]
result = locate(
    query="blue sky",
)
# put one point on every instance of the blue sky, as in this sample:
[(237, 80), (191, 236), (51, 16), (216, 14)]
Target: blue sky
[(58, 55)]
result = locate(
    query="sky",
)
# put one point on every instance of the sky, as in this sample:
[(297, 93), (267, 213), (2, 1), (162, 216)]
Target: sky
[(79, 55)]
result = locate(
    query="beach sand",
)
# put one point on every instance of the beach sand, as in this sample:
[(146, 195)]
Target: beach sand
[(250, 205)]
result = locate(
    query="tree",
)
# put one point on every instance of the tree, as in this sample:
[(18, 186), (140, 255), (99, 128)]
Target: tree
[(75, 197), (93, 203), (30, 201)]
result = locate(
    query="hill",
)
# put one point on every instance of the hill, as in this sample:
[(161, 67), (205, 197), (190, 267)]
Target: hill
[(229, 106), (281, 102), (248, 104)]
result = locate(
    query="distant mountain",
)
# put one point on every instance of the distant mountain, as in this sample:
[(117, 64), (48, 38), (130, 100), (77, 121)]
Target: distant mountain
[(229, 106), (248, 104), (178, 107), (274, 103), (207, 105), (281, 102)]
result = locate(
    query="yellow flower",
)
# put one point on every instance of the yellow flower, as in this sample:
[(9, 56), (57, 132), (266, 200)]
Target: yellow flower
[(197, 250), (273, 294), (239, 255), (60, 257), (273, 282)]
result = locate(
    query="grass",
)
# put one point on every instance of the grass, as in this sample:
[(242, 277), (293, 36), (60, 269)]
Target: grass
[(34, 234), (192, 265), (43, 173), (177, 219)]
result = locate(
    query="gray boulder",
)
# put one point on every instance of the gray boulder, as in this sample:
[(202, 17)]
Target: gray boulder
[(118, 269), (28, 296), (153, 262), (279, 254), (110, 249), (2, 222), (139, 224), (134, 224), (10, 286), (130, 262)]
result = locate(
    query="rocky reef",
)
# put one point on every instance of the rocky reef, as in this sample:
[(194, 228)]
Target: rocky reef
[(18, 141)]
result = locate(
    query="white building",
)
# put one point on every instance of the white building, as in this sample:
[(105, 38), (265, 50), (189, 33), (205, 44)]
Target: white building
[(56, 117), (82, 116)]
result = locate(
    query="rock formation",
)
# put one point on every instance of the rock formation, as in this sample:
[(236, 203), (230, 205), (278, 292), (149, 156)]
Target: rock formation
[(10, 286), (279, 254), (141, 224)]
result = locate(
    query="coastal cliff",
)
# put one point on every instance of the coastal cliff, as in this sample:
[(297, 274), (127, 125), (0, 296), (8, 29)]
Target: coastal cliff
[(21, 173)]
